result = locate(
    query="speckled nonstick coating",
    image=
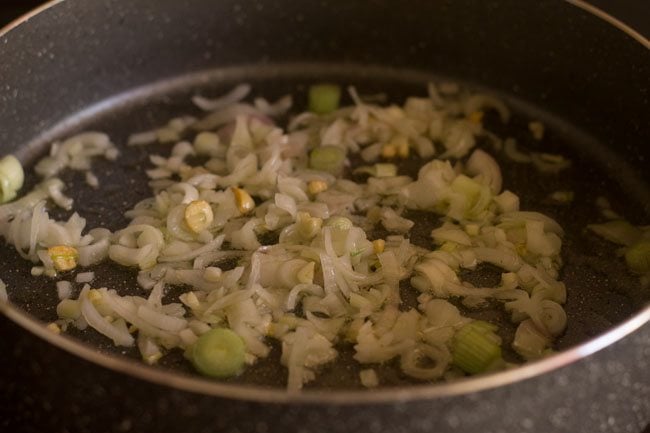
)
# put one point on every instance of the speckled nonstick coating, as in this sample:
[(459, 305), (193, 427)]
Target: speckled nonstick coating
[(91, 64)]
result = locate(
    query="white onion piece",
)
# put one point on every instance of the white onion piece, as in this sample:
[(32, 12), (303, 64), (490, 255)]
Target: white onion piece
[(548, 163), (142, 138), (149, 350), (245, 238), (97, 322), (278, 108), (368, 378), (550, 225), (458, 140), (40, 192), (84, 277), (529, 342), (618, 231), (486, 169), (441, 313), (228, 300), (39, 217), (235, 95), (95, 252), (224, 116), (553, 317), (451, 234), (538, 242), (438, 275), (505, 259), (63, 289), (215, 244), (438, 355), (480, 102), (394, 222), (286, 203), (507, 201), (127, 309), (4, 297), (161, 321)]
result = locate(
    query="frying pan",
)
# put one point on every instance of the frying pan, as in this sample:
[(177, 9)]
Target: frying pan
[(124, 66)]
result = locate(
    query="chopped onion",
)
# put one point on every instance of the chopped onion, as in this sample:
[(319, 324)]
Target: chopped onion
[(11, 178), (160, 320), (483, 166), (235, 95), (4, 297), (369, 378), (120, 337), (529, 342), (64, 289), (438, 356), (85, 277), (619, 231), (234, 182)]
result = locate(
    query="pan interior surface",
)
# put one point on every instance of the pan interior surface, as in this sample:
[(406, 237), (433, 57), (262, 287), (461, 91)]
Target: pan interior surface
[(601, 292)]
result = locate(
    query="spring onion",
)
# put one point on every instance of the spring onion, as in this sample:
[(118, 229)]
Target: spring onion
[(327, 158), (219, 353), (339, 223), (68, 309), (11, 178), (324, 98), (475, 347)]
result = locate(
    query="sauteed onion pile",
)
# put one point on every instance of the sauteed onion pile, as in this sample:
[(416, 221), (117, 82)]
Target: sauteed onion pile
[(301, 235)]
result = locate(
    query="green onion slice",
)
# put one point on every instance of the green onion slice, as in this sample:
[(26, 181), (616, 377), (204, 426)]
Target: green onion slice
[(11, 178), (475, 347), (327, 158), (219, 353), (324, 98)]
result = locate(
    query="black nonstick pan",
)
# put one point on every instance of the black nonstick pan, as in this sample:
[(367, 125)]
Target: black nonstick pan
[(122, 66)]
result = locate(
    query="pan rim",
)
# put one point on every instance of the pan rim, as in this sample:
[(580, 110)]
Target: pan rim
[(196, 384), (199, 385)]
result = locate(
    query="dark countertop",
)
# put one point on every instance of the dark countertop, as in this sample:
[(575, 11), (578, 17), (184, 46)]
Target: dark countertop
[(635, 13)]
